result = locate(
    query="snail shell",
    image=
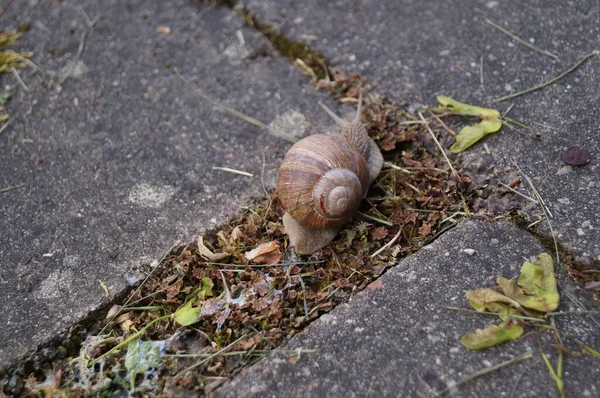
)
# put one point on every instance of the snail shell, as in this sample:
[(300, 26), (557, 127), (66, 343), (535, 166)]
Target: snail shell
[(322, 181)]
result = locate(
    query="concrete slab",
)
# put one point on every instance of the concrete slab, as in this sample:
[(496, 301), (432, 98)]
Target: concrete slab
[(412, 50), (399, 339), (116, 152)]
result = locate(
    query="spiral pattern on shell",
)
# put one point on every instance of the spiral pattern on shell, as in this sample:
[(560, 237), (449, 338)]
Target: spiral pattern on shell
[(322, 180)]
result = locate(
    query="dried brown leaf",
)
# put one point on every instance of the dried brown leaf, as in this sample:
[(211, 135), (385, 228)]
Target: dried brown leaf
[(379, 233), (207, 254), (265, 253)]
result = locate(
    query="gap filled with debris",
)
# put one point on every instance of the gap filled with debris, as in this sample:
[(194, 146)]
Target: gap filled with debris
[(238, 293)]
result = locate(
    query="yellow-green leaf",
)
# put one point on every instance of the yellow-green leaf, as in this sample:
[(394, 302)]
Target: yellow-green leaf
[(534, 277), (481, 299), (491, 122), (492, 335), (205, 291), (536, 287), (466, 109), (187, 314)]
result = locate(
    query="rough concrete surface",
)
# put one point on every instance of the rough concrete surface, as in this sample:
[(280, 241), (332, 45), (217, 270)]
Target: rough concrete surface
[(116, 152), (398, 339), (413, 50)]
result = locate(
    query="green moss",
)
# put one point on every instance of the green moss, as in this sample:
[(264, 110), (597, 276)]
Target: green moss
[(290, 49), (11, 59)]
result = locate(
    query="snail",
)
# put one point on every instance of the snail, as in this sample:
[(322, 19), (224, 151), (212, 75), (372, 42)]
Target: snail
[(323, 179)]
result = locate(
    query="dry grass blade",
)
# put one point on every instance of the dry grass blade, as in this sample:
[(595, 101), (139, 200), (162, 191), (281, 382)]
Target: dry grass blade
[(519, 193), (18, 79), (549, 82), (11, 188), (576, 301), (514, 389), (556, 375), (390, 243), (208, 358), (441, 122), (520, 41), (90, 23), (438, 144), (481, 70), (233, 171), (393, 166), (379, 220), (485, 371), (237, 114), (544, 208), (117, 313), (522, 317)]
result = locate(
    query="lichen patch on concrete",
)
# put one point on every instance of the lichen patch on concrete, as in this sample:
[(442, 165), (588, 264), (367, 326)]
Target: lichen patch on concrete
[(147, 195)]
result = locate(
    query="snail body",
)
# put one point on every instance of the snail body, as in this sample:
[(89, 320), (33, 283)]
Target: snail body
[(323, 179)]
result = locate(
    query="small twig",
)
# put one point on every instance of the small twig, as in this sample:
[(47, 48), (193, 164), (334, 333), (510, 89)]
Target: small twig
[(11, 188), (438, 144), (482, 372), (233, 171), (549, 82), (507, 111), (390, 243), (196, 17), (521, 41)]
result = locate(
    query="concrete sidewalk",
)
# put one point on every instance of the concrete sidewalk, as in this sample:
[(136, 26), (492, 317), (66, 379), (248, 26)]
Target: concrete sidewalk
[(122, 151), (398, 338), (116, 152)]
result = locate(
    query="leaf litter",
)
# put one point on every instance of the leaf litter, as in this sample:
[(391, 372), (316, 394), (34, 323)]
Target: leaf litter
[(534, 294), (238, 293)]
